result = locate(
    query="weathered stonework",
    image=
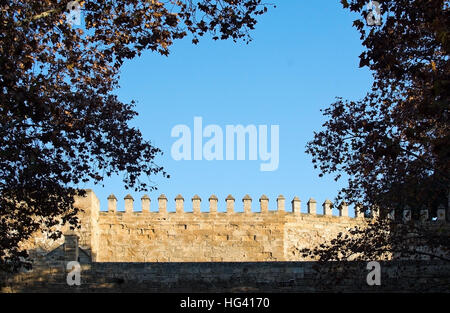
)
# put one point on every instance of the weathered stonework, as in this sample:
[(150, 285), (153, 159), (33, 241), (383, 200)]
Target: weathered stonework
[(131, 236), (397, 276), (208, 251)]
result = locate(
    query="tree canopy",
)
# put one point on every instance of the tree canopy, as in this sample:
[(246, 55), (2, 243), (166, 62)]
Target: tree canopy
[(61, 123), (394, 144)]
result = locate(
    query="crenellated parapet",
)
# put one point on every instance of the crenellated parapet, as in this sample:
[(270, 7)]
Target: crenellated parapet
[(179, 207), (232, 240), (218, 230), (230, 205), (188, 230)]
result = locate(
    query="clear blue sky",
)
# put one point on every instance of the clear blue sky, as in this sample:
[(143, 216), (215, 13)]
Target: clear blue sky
[(303, 55)]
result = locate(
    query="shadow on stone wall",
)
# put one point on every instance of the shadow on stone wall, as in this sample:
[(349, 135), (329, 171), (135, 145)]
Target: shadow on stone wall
[(396, 276)]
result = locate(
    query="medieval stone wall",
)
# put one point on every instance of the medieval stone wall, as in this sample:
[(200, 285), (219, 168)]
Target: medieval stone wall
[(396, 276), (197, 236), (189, 237), (214, 251)]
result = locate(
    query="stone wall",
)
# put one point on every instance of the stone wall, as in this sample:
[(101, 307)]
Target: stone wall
[(231, 277), (199, 236), (267, 235), (40, 245), (144, 251), (189, 237)]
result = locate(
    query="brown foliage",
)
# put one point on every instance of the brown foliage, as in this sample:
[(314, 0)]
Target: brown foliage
[(394, 145), (61, 123)]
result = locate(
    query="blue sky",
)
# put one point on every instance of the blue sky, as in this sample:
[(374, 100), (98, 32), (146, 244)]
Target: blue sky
[(303, 55)]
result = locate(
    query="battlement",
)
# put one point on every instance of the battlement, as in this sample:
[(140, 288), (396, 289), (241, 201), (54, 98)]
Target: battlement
[(295, 207), (229, 206), (190, 233), (176, 241)]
